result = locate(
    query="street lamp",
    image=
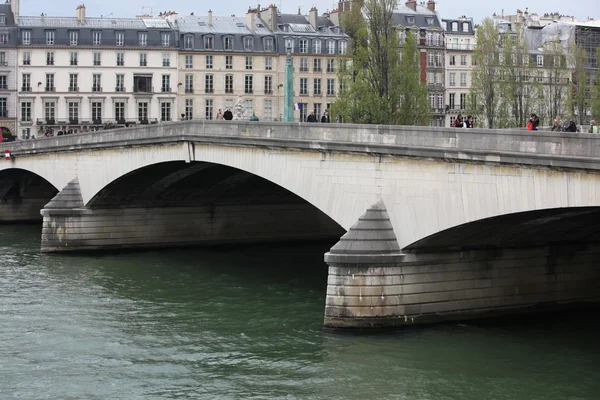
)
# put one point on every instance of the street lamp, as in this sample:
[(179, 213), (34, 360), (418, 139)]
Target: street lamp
[(288, 101)]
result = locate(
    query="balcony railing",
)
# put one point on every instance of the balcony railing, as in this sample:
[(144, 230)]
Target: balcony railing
[(166, 64), (97, 63), (165, 89), (142, 90), (26, 89), (26, 62), (3, 113), (209, 90), (120, 89), (268, 91), (4, 87), (50, 89), (458, 46), (143, 63), (73, 89), (73, 62), (189, 90), (96, 88)]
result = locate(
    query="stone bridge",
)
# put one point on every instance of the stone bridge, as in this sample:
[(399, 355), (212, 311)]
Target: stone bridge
[(435, 224)]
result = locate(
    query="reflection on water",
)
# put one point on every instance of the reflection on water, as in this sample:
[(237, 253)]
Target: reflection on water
[(245, 323)]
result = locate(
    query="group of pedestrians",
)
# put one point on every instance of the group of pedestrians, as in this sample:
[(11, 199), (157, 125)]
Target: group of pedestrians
[(313, 118), (570, 126), (461, 122)]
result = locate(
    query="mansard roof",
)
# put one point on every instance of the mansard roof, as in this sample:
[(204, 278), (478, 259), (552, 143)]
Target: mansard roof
[(422, 18), (223, 25), (94, 23)]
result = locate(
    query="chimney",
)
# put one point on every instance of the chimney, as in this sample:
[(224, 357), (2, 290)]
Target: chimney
[(269, 17), (42, 17), (412, 4), (431, 5), (313, 15), (80, 12), (250, 19), (15, 8), (209, 17), (334, 16)]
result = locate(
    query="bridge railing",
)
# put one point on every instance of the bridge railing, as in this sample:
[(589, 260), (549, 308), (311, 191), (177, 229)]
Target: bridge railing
[(551, 149)]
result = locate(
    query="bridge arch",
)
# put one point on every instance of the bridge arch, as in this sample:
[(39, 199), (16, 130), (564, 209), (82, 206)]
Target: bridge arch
[(22, 195)]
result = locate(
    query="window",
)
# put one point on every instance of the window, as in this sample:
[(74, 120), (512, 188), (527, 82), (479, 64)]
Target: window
[(26, 87), (2, 19), (50, 38), (452, 60), (268, 44), (189, 83), (166, 60), (465, 26), (189, 109), (189, 42), (165, 39), (3, 85), (3, 38), (330, 87), (410, 19), (49, 111), (26, 111), (26, 37), (96, 83), (120, 59), (268, 84), (73, 107), (455, 27), (96, 112), (452, 79), (452, 102), (463, 79), (268, 110), (120, 83), (142, 84), (120, 38), (248, 107), (463, 60), (248, 88), (3, 107), (209, 62), (50, 58), (289, 45), (228, 43), (331, 47), (143, 41), (73, 84), (143, 112), (165, 111), (539, 61), (143, 60), (303, 86), (463, 101), (97, 59), (317, 46), (208, 43), (317, 110), (343, 47), (73, 38), (228, 62), (208, 110), (303, 45), (189, 61), (50, 83), (248, 62), (330, 65), (268, 63), (73, 58), (27, 58), (317, 65), (166, 84), (229, 83), (248, 43), (96, 38), (209, 83), (304, 64), (317, 87), (303, 111), (120, 111)]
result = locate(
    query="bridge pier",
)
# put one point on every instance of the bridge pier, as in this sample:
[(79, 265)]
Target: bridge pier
[(69, 226), (367, 290)]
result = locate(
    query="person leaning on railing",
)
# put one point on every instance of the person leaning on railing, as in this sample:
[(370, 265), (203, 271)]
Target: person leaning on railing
[(593, 127)]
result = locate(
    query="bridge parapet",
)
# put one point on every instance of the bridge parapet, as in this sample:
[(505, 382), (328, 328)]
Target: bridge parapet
[(518, 147)]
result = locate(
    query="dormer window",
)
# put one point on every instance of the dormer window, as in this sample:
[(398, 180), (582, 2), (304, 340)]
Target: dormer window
[(97, 38), (465, 27), (303, 44), (317, 46), (455, 27), (343, 47), (228, 43), (429, 20), (2, 19), (268, 43), (209, 43), (410, 19), (26, 37), (248, 43), (285, 28), (188, 42)]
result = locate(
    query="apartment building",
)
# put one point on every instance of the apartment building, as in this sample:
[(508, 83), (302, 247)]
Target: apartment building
[(425, 23), (460, 43), (80, 73), (8, 68), (229, 60)]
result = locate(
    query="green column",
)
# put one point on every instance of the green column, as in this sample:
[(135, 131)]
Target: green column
[(288, 97)]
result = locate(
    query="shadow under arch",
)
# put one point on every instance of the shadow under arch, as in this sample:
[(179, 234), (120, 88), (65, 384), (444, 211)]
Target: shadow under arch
[(178, 184), (570, 225), (22, 195)]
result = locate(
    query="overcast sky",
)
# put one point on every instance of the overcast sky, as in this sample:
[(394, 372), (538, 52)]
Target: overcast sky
[(478, 9)]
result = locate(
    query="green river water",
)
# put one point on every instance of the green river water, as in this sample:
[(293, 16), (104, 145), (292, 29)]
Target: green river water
[(245, 323)]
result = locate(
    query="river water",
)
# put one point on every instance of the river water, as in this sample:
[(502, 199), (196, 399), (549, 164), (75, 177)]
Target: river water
[(245, 323)]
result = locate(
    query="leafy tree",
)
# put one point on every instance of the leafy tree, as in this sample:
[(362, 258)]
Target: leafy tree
[(577, 101), (596, 90), (485, 95), (555, 86), (378, 84)]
